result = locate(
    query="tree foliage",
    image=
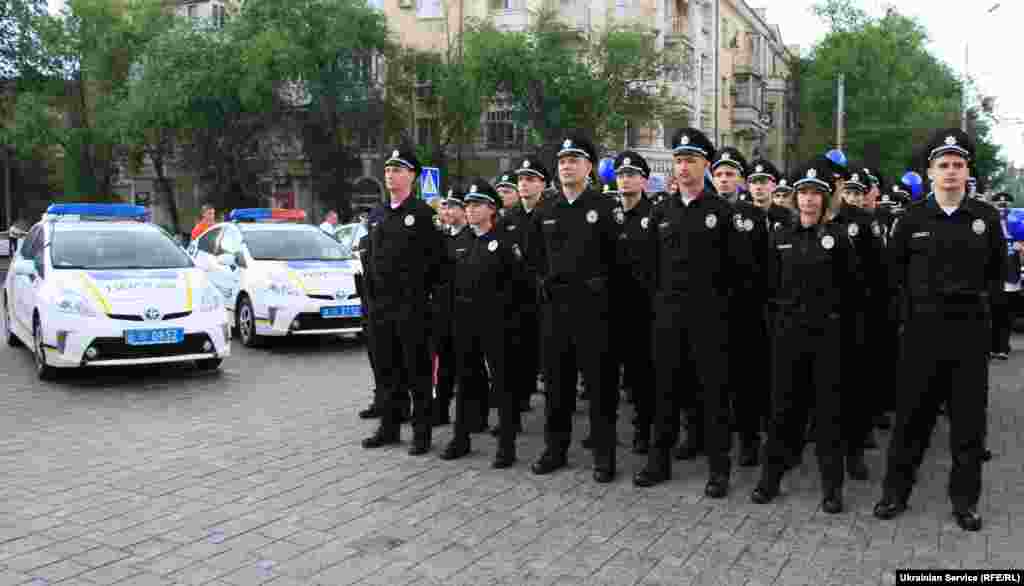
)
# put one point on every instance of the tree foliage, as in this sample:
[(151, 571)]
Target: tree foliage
[(897, 92)]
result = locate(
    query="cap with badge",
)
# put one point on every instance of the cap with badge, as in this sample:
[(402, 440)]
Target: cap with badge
[(507, 179), (857, 181), (818, 172), (783, 187), (730, 157), (950, 141), (632, 161), (763, 168), (1002, 199), (533, 167), (577, 145), (690, 141), (455, 197), (403, 157), (480, 191)]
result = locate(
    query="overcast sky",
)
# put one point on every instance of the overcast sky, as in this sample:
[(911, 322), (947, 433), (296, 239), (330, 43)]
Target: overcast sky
[(949, 25)]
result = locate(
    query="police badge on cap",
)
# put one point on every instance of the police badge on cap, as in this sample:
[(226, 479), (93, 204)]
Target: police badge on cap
[(403, 157), (690, 141), (950, 141)]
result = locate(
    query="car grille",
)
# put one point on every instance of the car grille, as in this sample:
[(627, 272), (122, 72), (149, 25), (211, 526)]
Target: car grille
[(117, 349), (131, 317), (313, 321), (331, 297)]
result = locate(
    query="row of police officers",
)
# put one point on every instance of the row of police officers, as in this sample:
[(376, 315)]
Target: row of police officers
[(729, 311)]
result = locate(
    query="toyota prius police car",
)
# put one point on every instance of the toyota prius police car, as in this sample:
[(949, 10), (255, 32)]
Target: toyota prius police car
[(280, 277), (93, 285)]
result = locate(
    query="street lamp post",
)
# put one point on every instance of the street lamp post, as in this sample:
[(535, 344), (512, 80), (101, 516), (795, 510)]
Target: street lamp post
[(7, 185), (967, 75)]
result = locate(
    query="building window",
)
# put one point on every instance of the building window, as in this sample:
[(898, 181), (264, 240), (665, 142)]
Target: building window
[(192, 11), (429, 9), (505, 4), (502, 131), (641, 135), (621, 8), (219, 16)]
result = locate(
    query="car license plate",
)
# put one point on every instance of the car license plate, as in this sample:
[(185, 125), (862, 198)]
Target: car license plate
[(341, 311), (158, 336)]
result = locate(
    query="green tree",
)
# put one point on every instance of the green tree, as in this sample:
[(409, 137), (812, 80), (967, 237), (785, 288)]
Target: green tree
[(897, 92), (19, 46)]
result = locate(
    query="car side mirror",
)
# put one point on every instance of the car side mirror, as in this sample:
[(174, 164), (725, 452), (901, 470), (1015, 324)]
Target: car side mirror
[(227, 260), (25, 267)]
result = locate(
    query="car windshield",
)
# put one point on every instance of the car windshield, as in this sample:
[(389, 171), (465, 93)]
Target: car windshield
[(293, 244), (349, 236), (102, 247)]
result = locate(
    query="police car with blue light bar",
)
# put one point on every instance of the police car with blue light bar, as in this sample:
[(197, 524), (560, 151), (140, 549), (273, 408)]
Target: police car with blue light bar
[(279, 276), (95, 285)]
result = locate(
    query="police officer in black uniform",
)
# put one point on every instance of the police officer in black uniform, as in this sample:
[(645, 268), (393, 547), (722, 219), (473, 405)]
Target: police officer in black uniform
[(1005, 302), (866, 233), (572, 243), (532, 178), (457, 239), (816, 273), (701, 258), (406, 252), (632, 292), (763, 183), (748, 335), (948, 253), (486, 288), (508, 190), (783, 195)]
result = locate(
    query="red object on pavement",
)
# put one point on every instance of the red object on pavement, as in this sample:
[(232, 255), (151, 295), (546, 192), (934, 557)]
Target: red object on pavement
[(435, 361)]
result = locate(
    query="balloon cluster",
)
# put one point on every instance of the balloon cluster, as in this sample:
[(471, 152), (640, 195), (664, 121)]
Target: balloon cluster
[(1015, 223), (606, 170), (914, 183)]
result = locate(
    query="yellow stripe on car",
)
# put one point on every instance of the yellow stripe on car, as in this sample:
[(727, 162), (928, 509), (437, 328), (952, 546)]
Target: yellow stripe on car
[(93, 290), (295, 279), (188, 292)]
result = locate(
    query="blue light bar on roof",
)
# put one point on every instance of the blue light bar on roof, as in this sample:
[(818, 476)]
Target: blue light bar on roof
[(99, 210), (265, 214)]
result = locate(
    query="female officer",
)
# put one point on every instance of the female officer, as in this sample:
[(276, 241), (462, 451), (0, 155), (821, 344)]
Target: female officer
[(487, 285), (816, 269)]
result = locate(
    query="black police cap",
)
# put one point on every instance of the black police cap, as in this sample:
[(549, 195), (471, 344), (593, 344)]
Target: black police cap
[(783, 186), (507, 179), (632, 161), (819, 172), (950, 141), (577, 145), (690, 141), (456, 196), (1002, 197), (859, 181), (763, 168), (482, 192), (403, 157), (731, 157), (533, 166)]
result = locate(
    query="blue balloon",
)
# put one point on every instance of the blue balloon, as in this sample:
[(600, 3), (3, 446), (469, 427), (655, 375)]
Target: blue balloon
[(837, 157), (606, 169), (915, 183), (1015, 223)]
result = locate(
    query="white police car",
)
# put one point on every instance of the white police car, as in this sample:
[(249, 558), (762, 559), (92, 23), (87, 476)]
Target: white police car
[(280, 277), (93, 286)]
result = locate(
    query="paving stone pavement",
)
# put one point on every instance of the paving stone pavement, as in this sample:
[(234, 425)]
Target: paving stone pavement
[(255, 476)]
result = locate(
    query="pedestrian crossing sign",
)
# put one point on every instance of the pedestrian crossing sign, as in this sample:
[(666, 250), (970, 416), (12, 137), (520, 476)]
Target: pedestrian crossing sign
[(430, 183)]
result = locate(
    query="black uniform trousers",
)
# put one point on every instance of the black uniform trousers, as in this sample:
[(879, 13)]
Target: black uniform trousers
[(402, 354), (632, 341), (858, 416), (480, 339), (691, 352), (1002, 319), (750, 384), (524, 355), (806, 376), (576, 331), (946, 360)]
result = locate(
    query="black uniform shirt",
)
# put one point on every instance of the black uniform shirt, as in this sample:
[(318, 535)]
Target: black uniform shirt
[(816, 270), (634, 259), (571, 243), (699, 248), (948, 258), (488, 273), (406, 252), (865, 230)]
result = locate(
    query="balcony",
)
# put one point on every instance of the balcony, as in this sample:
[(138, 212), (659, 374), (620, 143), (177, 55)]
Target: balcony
[(509, 15), (677, 31)]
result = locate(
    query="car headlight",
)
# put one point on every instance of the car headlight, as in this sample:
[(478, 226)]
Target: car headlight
[(210, 300), (283, 288), (74, 303)]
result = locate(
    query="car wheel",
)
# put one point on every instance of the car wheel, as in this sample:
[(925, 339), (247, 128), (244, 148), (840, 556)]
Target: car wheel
[(246, 318), (43, 370), (12, 339), (209, 364)]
